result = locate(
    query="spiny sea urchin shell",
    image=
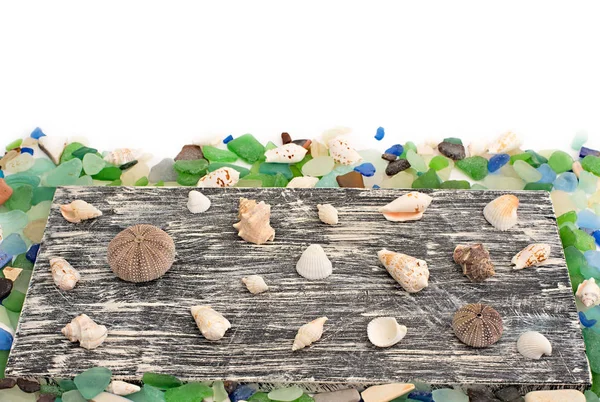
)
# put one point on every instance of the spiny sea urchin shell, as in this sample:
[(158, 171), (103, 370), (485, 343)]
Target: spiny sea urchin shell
[(477, 325), (141, 253)]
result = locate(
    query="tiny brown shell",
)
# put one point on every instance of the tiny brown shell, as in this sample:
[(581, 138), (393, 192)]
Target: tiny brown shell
[(141, 253), (475, 260), (477, 325)]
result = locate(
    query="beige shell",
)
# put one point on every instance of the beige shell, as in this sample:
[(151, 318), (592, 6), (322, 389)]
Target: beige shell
[(223, 177), (534, 345), (501, 212), (288, 153), (386, 392), (408, 207), (313, 263), (211, 323), (309, 333), (53, 147), (12, 273), (255, 284), (507, 142), (197, 202), (303, 182), (254, 225), (342, 153), (83, 329), (588, 292), (384, 332), (328, 214), (78, 211), (408, 271), (122, 156), (534, 254), (64, 275), (557, 395), (118, 387)]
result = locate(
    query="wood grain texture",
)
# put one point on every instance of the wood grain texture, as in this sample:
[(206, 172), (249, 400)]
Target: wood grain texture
[(151, 328)]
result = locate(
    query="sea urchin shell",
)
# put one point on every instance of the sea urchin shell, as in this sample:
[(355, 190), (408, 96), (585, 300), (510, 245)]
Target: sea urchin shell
[(141, 253), (477, 325)]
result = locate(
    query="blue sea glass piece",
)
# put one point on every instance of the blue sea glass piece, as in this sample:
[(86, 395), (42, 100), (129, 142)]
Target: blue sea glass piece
[(497, 161), (566, 182), (37, 133), (379, 134), (366, 169), (6, 338), (27, 151), (396, 149), (588, 220), (32, 252), (584, 151), (548, 174), (227, 139), (584, 320)]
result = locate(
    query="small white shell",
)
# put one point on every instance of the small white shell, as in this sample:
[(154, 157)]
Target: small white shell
[(122, 156), (505, 143), (83, 329), (534, 345), (589, 292), (12, 273), (309, 333), (408, 271), (409, 207), (53, 147), (64, 275), (288, 153), (197, 202), (303, 182), (255, 284), (223, 177), (531, 255), (211, 324), (501, 212), (342, 153), (384, 332), (328, 214), (313, 263), (78, 211), (118, 387)]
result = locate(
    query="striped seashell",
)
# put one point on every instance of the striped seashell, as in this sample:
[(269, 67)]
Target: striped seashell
[(588, 292), (313, 263), (255, 284), (342, 153), (477, 325), (384, 332), (83, 329), (534, 254), (118, 387), (78, 211), (534, 345), (501, 212), (211, 323), (254, 225), (408, 271), (64, 275), (303, 182), (408, 207), (328, 214), (122, 156), (507, 142), (223, 177), (309, 333), (197, 202), (288, 153)]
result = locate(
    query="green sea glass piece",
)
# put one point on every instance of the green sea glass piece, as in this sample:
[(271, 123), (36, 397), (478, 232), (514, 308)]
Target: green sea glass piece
[(536, 159), (64, 174), (259, 397), (307, 158), (190, 392), (474, 166), (93, 381), (591, 163), (319, 166), (218, 165), (93, 164), (528, 173), (453, 140), (280, 180), (73, 396), (248, 183), (276, 168), (67, 154), (456, 184), (21, 261), (439, 162), (15, 144), (41, 166), (288, 394), (161, 381), (560, 161), (214, 154), (267, 180), (188, 179), (83, 151), (19, 179), (142, 181), (538, 186), (416, 161), (428, 179), (148, 393), (219, 392), (247, 147), (20, 198), (578, 238), (13, 221), (570, 216), (42, 194), (115, 183), (14, 301), (108, 173)]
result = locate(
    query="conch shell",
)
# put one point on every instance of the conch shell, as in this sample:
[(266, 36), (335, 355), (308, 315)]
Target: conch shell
[(384, 332), (408, 271), (328, 214), (531, 255), (507, 142), (288, 153), (223, 177), (78, 211), (534, 345), (255, 284), (83, 329), (254, 225), (122, 156), (211, 323), (589, 292), (118, 387), (342, 153), (501, 212), (409, 207), (197, 202), (309, 333), (64, 275), (313, 263)]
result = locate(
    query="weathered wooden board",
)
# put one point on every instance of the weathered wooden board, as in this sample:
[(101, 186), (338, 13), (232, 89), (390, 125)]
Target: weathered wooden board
[(151, 329)]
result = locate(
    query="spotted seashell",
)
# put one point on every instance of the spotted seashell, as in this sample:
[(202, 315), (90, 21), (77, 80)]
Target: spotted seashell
[(501, 212), (309, 333), (313, 263), (223, 177), (408, 271), (328, 214), (384, 332), (141, 253), (477, 325), (507, 142), (588, 292), (64, 275), (83, 329), (303, 182), (288, 153), (475, 261), (534, 254), (254, 225), (122, 156), (211, 323), (408, 207), (255, 284), (534, 345), (78, 211), (342, 153)]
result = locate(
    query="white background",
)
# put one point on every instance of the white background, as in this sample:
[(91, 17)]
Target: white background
[(157, 75)]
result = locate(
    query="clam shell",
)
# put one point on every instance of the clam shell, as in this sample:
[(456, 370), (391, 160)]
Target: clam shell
[(118, 387), (501, 212), (223, 177), (254, 225), (534, 345), (314, 264), (507, 142), (78, 211), (303, 182), (83, 329), (588, 292), (384, 332), (255, 284), (328, 214), (342, 153), (408, 271), (408, 207), (477, 325), (197, 202), (122, 156), (309, 333), (64, 275), (534, 254), (211, 323), (288, 153), (53, 147)]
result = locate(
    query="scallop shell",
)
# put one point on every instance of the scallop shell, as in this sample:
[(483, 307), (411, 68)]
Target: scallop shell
[(255, 284), (78, 211), (505, 143), (477, 325), (501, 212), (409, 207), (384, 332), (475, 261), (83, 329), (64, 275), (223, 177), (531, 255), (313, 263), (53, 147), (408, 271), (342, 153), (211, 323), (589, 292), (309, 333), (288, 153), (254, 225), (141, 253), (122, 156), (534, 345), (118, 387), (197, 202), (328, 214), (303, 182)]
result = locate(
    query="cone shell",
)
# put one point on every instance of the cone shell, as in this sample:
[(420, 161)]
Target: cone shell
[(254, 225), (534, 345), (501, 213), (408, 271), (255, 284), (223, 177), (342, 153), (309, 333), (53, 147), (534, 254), (328, 214), (475, 261), (288, 153), (477, 325), (78, 211), (303, 182), (211, 323), (122, 388), (313, 263), (122, 156), (83, 329), (197, 202), (409, 207), (588, 292), (384, 332), (64, 275), (507, 142)]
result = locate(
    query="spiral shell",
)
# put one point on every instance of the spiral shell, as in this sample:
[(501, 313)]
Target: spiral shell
[(313, 263), (475, 261), (288, 153), (78, 211), (501, 213), (532, 255), (254, 225), (408, 271), (342, 153), (506, 142), (477, 325), (223, 177), (384, 332), (83, 329), (211, 323), (408, 207), (122, 156), (588, 292), (118, 387), (534, 345), (309, 333), (255, 284), (64, 275), (328, 214), (197, 202)]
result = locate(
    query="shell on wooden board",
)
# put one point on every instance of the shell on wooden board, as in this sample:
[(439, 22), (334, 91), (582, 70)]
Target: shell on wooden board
[(475, 261), (83, 329), (118, 387), (342, 152), (556, 395), (384, 332), (588, 292), (288, 153), (78, 211), (501, 212), (314, 264), (197, 202), (506, 142), (477, 325), (534, 254), (64, 275), (328, 214), (53, 147), (309, 333), (408, 271), (222, 177), (211, 323), (141, 253), (254, 225), (303, 182), (122, 156), (255, 284), (534, 345), (408, 207)]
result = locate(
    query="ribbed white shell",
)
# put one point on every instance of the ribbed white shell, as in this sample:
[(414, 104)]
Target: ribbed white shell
[(534, 254), (83, 329), (78, 211), (501, 212), (309, 333), (408, 207), (223, 177), (384, 332), (255, 284), (64, 275), (328, 214), (197, 202), (314, 264), (288, 153), (588, 292), (211, 323), (534, 345)]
